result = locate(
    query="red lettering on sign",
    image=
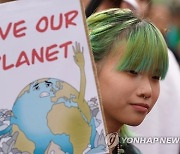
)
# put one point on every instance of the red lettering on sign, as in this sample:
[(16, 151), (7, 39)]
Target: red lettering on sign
[(50, 53), (70, 16), (5, 66), (22, 59), (65, 46), (18, 30)]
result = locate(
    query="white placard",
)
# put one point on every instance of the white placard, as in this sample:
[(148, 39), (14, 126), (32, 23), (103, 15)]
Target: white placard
[(48, 95)]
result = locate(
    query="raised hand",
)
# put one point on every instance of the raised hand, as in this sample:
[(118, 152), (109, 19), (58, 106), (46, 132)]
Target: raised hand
[(78, 55)]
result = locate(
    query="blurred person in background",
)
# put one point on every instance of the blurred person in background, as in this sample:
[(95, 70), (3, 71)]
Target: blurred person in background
[(99, 5), (173, 35), (161, 16), (143, 7), (137, 6)]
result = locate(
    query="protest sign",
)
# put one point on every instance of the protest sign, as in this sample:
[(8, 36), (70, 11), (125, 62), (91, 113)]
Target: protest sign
[(49, 101)]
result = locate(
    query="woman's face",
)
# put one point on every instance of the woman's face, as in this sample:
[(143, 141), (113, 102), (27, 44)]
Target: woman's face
[(127, 97)]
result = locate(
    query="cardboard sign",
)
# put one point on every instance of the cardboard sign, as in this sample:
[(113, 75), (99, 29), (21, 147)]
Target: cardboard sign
[(48, 96)]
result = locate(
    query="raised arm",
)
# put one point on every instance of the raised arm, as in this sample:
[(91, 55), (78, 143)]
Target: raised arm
[(79, 60)]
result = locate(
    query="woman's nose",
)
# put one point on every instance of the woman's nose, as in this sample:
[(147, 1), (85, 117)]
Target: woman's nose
[(145, 88)]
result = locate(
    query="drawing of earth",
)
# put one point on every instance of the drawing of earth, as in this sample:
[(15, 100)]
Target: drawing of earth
[(47, 112)]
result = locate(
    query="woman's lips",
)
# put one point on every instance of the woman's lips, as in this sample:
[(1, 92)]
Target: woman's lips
[(141, 107)]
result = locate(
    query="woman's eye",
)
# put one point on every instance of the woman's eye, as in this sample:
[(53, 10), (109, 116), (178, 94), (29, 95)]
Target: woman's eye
[(133, 72), (156, 77)]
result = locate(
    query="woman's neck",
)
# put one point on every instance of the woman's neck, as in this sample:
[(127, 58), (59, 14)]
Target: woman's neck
[(113, 125)]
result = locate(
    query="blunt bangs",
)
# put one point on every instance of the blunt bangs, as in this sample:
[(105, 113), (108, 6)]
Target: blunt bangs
[(146, 50)]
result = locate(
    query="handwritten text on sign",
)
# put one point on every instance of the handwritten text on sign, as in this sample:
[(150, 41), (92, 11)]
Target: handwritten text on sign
[(45, 53)]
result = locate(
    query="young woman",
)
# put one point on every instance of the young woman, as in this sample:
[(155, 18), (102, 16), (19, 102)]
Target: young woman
[(131, 57)]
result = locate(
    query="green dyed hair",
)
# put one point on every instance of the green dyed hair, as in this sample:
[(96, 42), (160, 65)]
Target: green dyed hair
[(145, 47)]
